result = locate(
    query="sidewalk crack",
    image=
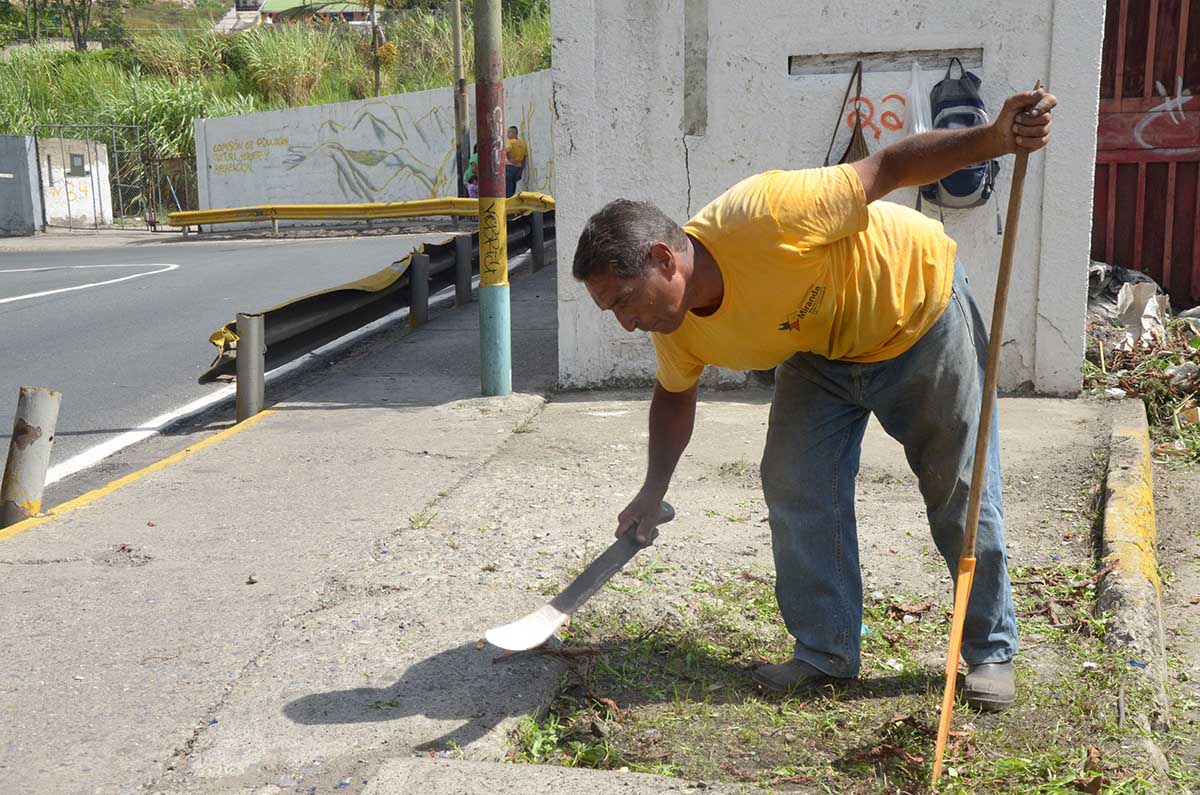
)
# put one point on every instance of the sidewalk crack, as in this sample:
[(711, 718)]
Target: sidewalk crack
[(40, 561), (687, 168)]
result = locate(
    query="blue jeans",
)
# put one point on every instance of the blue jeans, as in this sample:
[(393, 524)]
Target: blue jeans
[(928, 399), (512, 175)]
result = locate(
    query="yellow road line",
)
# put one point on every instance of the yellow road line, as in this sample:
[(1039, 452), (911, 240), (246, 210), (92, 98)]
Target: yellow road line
[(84, 500)]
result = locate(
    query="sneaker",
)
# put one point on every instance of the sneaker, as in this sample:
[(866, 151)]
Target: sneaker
[(789, 676), (989, 687)]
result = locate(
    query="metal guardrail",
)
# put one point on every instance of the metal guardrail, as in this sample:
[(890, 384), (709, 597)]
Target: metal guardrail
[(524, 202), (294, 325)]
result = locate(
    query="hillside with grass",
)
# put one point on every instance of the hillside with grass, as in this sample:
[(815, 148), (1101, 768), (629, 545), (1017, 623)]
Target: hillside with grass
[(161, 79)]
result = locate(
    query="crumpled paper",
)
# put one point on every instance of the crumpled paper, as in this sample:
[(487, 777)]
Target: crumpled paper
[(1143, 313)]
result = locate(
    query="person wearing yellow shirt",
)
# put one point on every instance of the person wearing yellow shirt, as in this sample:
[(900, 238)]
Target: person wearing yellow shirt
[(517, 152), (862, 308)]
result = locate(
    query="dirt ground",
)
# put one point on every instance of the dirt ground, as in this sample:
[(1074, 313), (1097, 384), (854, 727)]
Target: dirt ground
[(1177, 503), (659, 671)]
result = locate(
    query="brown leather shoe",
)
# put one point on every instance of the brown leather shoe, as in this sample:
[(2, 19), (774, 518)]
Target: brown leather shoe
[(790, 676), (989, 687)]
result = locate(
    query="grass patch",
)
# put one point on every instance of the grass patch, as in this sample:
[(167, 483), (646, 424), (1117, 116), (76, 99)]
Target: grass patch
[(674, 697), (144, 16)]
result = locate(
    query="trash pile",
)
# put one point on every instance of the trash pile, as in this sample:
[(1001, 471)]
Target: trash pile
[(1137, 348)]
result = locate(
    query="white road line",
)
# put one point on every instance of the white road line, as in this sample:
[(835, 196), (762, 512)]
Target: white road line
[(95, 455), (162, 268)]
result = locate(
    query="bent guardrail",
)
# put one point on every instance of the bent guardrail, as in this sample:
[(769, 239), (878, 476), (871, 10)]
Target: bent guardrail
[(449, 263)]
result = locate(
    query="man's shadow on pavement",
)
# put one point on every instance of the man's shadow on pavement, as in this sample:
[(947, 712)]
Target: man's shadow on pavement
[(461, 684), (481, 687)]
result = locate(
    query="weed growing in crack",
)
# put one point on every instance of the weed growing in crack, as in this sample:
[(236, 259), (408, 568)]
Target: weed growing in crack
[(422, 520)]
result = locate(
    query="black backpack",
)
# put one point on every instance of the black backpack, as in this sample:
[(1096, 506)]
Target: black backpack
[(955, 103)]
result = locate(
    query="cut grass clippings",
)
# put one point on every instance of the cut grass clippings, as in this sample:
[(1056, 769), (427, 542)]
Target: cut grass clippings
[(674, 697)]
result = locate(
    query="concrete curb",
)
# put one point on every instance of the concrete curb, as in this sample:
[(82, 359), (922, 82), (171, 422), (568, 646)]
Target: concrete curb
[(1132, 591)]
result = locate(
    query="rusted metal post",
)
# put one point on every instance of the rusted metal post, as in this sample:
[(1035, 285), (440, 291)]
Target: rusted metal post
[(495, 343), (28, 454), (251, 360), (418, 280), (537, 240), (462, 141), (462, 270)]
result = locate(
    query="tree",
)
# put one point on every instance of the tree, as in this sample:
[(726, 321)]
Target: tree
[(78, 16), (85, 17), (33, 18)]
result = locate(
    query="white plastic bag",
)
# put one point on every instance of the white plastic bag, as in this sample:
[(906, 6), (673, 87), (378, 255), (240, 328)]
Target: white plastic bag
[(918, 117)]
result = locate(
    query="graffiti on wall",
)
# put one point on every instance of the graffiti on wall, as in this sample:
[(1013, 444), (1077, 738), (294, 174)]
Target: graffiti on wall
[(1172, 108), (392, 148), (387, 170), (890, 118), (381, 172), (238, 155), (74, 190)]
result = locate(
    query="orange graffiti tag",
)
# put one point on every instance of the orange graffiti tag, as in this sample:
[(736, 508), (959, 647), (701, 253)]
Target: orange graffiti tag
[(889, 119)]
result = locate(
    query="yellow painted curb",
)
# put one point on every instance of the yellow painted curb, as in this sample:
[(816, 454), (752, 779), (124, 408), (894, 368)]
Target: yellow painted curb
[(1132, 592), (84, 500), (1130, 529)]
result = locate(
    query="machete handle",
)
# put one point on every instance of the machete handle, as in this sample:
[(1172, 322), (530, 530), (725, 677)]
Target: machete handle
[(665, 514)]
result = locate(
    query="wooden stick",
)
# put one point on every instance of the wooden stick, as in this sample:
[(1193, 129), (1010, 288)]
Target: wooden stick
[(966, 562)]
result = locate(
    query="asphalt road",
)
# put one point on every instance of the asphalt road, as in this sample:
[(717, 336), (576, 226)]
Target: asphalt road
[(122, 331)]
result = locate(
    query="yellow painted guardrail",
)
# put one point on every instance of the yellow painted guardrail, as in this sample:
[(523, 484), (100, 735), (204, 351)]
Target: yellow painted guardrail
[(523, 202)]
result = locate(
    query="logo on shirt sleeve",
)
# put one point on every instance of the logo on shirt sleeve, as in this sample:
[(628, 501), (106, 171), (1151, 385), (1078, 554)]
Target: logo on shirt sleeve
[(810, 305)]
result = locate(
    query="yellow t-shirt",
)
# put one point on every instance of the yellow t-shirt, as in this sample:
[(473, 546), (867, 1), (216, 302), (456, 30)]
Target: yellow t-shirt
[(809, 266), (517, 150)]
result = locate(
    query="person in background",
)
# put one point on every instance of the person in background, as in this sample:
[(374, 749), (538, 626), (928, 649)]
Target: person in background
[(470, 177), (517, 152)]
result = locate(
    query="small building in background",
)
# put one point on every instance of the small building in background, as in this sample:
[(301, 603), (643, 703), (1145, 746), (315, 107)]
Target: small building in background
[(75, 182), (53, 182)]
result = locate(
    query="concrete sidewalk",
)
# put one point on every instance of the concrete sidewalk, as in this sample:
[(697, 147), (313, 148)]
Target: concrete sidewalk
[(301, 604)]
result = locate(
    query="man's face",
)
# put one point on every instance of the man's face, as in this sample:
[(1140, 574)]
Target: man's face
[(653, 302), (512, 133)]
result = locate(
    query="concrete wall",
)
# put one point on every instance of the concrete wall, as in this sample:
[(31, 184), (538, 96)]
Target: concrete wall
[(20, 198), (392, 148), (75, 200), (674, 101)]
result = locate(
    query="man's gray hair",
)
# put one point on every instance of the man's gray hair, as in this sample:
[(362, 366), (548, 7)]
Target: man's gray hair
[(618, 239)]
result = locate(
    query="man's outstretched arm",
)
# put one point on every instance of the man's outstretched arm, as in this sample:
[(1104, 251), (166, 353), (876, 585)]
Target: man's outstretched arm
[(672, 417), (1023, 123)]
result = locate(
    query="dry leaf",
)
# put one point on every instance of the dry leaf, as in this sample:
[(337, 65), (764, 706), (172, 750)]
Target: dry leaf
[(1093, 785)]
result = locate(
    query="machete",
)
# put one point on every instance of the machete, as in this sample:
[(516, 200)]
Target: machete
[(536, 628)]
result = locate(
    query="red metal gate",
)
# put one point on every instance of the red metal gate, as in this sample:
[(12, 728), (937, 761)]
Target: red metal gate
[(1147, 200)]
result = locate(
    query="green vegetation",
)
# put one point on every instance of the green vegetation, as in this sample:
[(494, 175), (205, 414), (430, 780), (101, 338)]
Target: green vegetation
[(1163, 374), (163, 78), (672, 695), (143, 16)]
